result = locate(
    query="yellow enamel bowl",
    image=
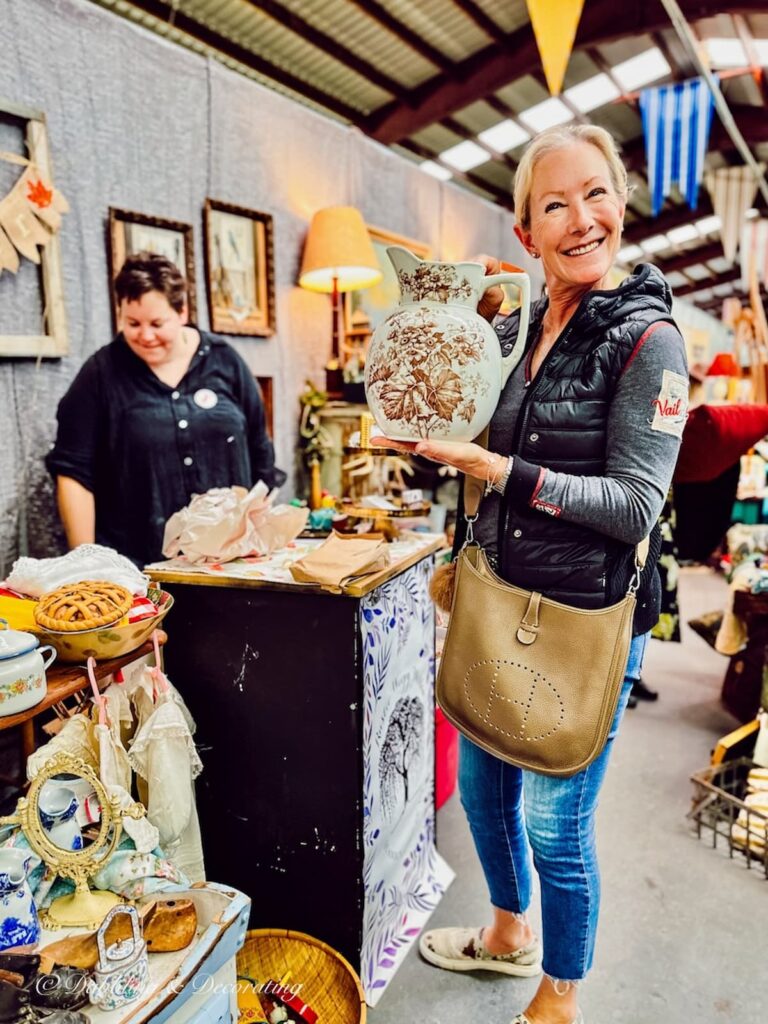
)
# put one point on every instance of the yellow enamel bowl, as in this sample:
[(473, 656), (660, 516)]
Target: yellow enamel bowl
[(106, 642)]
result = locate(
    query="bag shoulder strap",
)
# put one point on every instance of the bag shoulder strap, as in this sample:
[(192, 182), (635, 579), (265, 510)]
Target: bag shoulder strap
[(473, 495)]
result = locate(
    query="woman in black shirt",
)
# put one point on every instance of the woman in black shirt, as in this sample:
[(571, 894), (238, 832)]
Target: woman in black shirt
[(163, 412)]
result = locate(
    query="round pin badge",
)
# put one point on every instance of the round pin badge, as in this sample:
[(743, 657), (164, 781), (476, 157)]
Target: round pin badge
[(205, 398)]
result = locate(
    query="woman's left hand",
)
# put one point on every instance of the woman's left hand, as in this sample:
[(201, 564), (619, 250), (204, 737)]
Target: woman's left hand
[(467, 457)]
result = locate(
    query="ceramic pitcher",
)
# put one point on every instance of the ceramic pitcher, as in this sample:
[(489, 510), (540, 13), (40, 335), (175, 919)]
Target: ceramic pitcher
[(19, 925), (435, 367), (57, 806)]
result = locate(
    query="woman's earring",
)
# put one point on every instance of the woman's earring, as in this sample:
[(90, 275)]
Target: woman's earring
[(535, 255)]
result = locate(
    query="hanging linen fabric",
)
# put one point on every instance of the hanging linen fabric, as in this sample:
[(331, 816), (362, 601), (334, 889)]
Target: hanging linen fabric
[(30, 214), (676, 123), (165, 759), (754, 252), (733, 191)]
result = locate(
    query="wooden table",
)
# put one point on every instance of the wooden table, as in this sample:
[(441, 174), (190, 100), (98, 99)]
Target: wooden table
[(65, 681)]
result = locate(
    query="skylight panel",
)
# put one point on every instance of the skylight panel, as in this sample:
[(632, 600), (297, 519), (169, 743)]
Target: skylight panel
[(656, 243), (698, 272), (593, 93), (685, 233), (465, 155), (761, 49), (726, 53), (676, 279), (436, 170), (630, 254), (504, 136), (546, 115), (641, 70), (708, 225)]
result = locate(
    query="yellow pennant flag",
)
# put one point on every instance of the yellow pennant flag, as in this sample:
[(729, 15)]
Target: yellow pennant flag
[(554, 26)]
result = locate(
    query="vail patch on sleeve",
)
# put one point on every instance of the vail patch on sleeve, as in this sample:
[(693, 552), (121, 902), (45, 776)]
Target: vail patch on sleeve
[(670, 408)]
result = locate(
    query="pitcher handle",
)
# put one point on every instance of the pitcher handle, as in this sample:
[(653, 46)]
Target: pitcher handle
[(47, 647), (523, 282)]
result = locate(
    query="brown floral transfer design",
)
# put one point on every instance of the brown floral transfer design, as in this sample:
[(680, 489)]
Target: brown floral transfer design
[(413, 374), (435, 282)]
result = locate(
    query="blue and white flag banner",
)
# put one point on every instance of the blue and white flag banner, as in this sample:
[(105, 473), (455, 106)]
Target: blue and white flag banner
[(676, 123), (732, 190)]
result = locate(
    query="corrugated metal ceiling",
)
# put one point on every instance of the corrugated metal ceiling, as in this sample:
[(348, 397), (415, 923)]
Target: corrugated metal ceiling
[(424, 75)]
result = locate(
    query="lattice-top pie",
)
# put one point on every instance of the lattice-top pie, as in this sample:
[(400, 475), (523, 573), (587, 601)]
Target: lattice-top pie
[(85, 605)]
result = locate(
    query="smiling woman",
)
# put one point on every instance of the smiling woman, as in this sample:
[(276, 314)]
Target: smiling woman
[(164, 412), (580, 455)]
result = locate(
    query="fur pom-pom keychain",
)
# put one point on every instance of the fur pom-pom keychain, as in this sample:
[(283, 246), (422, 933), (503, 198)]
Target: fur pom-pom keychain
[(442, 585)]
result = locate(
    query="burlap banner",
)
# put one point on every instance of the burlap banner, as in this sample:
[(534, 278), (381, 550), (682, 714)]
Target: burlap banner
[(30, 214)]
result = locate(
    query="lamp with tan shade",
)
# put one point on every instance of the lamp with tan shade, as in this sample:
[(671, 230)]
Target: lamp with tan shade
[(338, 257)]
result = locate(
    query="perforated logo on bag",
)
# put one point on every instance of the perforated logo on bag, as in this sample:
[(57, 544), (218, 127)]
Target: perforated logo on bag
[(514, 700)]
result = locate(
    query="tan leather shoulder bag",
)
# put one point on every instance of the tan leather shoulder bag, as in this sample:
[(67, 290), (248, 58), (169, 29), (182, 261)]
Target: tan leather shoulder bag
[(530, 680)]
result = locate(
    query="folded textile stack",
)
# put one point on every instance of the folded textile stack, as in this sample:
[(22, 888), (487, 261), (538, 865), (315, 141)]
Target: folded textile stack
[(33, 577), (750, 830)]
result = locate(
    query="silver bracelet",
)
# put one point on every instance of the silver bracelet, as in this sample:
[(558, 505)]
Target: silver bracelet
[(500, 484)]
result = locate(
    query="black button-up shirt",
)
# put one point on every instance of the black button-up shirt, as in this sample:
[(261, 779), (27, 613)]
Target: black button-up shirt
[(144, 448)]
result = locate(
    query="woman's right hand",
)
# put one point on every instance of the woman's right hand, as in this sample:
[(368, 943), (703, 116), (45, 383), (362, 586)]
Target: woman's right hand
[(491, 300)]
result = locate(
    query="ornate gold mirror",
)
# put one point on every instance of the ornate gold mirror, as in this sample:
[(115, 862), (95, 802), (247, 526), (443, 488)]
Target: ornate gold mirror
[(74, 826)]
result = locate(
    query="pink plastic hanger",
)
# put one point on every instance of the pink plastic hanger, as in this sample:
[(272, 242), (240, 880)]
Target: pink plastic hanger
[(98, 699), (156, 671)]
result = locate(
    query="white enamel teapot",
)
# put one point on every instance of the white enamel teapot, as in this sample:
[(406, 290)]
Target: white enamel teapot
[(22, 670), (435, 368)]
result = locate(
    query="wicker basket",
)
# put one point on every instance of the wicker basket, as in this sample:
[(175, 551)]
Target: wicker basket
[(328, 982)]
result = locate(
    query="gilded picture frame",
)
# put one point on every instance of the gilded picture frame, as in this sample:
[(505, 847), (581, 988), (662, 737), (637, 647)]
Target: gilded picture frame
[(239, 269), (130, 232)]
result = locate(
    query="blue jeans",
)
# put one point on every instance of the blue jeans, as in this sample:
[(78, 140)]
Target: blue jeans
[(508, 808)]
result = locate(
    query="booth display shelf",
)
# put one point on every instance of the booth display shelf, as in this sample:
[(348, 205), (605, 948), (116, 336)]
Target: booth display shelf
[(315, 724), (66, 680), (196, 985)]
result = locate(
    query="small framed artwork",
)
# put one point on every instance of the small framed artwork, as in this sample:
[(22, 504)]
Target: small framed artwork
[(240, 269), (131, 232)]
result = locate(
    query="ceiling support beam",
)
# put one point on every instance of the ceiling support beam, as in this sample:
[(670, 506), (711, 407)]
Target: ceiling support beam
[(689, 258), (500, 63), (708, 282)]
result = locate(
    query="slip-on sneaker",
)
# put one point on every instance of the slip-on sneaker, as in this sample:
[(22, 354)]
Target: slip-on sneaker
[(462, 949)]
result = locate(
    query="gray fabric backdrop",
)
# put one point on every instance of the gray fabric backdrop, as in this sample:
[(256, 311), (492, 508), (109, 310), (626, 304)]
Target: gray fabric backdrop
[(137, 122)]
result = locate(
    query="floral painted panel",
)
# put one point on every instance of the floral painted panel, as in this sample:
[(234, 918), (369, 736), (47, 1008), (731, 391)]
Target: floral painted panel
[(419, 374), (403, 874)]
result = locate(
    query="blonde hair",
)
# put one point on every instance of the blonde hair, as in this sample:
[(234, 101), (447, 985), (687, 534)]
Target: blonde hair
[(561, 137)]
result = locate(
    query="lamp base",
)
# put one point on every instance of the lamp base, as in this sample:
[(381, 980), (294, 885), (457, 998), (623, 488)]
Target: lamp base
[(334, 382)]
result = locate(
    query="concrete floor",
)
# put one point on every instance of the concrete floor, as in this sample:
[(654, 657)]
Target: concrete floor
[(684, 931)]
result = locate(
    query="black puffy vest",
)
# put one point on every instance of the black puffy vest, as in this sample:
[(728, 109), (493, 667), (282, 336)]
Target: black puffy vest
[(563, 425)]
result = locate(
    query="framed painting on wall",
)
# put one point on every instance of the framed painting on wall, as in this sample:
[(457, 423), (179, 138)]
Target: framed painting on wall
[(378, 301), (131, 232), (240, 269)]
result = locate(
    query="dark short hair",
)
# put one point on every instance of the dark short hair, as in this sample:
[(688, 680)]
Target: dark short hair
[(145, 272)]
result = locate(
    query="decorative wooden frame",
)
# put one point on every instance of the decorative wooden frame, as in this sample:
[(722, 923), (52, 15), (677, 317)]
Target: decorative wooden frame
[(258, 289), (119, 246), (54, 343), (379, 300)]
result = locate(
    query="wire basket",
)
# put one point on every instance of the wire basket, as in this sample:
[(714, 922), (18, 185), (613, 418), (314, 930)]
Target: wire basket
[(719, 810)]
